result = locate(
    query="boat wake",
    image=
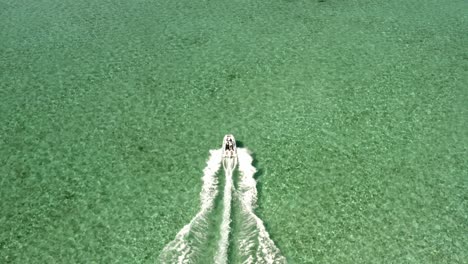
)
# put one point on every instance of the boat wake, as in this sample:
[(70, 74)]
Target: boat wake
[(255, 245), (222, 254), (188, 243), (249, 243)]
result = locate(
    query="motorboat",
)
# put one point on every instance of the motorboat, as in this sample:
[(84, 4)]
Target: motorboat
[(229, 152), (229, 146)]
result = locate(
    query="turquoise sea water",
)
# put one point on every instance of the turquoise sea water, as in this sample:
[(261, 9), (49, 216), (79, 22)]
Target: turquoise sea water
[(355, 112)]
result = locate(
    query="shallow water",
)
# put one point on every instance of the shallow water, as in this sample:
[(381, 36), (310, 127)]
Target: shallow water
[(355, 110)]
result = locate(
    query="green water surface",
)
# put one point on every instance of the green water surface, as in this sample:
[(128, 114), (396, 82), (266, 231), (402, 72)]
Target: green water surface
[(356, 112)]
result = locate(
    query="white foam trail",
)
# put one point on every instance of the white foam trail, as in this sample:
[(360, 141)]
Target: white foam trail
[(223, 246), (255, 243), (181, 249)]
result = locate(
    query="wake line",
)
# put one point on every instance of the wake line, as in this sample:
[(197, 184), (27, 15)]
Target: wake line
[(251, 243), (255, 243), (221, 256), (182, 249)]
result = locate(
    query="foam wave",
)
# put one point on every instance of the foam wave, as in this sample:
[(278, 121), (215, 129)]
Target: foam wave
[(254, 241), (221, 256), (182, 249)]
